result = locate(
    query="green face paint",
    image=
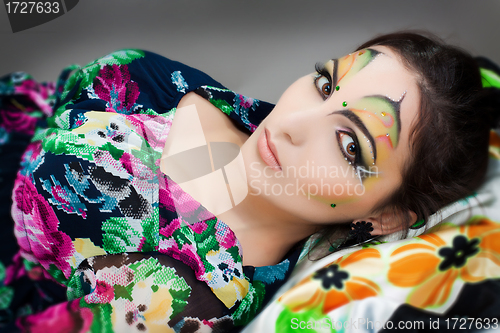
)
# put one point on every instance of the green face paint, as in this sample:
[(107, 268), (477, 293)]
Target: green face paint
[(383, 113), (345, 68)]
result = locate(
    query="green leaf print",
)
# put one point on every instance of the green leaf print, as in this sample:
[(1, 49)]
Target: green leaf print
[(222, 105), (307, 321), (235, 253), (2, 271), (150, 231), (251, 304), (102, 313), (119, 235), (6, 295), (65, 142), (123, 292), (166, 276)]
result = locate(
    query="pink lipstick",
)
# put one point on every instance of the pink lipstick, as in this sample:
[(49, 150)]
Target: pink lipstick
[(268, 151)]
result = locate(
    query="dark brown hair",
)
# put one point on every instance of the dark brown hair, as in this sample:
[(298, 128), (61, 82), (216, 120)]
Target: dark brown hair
[(449, 139)]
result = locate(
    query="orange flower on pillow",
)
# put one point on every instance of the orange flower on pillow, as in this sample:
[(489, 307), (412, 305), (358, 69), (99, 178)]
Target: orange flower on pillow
[(432, 265), (337, 284)]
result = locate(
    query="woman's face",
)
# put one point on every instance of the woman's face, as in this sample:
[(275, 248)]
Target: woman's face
[(336, 142)]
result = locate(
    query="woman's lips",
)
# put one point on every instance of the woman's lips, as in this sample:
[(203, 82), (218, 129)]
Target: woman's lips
[(267, 150)]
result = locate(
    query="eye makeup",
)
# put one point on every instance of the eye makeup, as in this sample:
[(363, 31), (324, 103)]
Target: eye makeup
[(369, 138), (351, 64), (387, 113), (352, 151), (324, 81), (349, 146), (343, 69)]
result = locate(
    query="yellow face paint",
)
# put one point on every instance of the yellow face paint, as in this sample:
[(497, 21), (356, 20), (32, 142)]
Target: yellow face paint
[(383, 116), (346, 67)]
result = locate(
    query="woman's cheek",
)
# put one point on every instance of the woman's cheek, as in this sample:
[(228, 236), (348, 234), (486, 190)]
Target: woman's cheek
[(335, 187)]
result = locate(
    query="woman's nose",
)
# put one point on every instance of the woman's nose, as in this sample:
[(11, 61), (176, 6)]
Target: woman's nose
[(296, 127)]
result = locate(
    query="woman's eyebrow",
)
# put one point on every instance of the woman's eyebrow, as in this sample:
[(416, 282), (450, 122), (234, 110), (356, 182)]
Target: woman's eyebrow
[(335, 72), (359, 123)]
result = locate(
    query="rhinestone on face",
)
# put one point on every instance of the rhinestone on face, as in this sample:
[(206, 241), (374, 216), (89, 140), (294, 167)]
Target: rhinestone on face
[(337, 88), (333, 205), (387, 134), (400, 97), (382, 114), (344, 103)]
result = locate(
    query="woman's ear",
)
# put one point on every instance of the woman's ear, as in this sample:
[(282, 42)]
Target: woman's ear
[(388, 223)]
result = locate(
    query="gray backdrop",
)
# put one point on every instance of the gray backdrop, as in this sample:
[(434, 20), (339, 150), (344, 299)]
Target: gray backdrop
[(255, 47)]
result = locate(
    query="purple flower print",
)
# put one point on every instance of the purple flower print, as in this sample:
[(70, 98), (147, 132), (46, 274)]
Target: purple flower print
[(113, 85)]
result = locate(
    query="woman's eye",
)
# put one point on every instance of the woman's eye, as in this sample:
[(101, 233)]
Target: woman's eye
[(348, 145), (324, 85)]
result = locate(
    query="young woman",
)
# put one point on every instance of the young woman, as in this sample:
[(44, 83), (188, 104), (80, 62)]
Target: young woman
[(116, 234)]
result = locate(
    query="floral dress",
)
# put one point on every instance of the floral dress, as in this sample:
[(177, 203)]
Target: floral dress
[(103, 240)]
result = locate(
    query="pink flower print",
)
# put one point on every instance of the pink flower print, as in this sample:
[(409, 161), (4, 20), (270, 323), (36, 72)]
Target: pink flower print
[(60, 318), (56, 190), (15, 270), (176, 200), (113, 85), (245, 103), (37, 228), (224, 235), (168, 230), (103, 293), (133, 165), (18, 121), (151, 128), (37, 93), (187, 255), (199, 227), (252, 127)]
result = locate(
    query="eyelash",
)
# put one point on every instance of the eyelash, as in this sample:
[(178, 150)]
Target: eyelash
[(352, 161), (322, 72)]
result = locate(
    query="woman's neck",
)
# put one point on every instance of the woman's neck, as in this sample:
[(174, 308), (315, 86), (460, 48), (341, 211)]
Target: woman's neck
[(266, 234)]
